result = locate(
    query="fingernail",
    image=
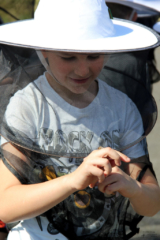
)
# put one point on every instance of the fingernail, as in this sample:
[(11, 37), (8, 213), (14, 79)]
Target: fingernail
[(128, 159)]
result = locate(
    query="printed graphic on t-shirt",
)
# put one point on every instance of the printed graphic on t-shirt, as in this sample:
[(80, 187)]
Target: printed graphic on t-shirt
[(76, 143), (88, 208)]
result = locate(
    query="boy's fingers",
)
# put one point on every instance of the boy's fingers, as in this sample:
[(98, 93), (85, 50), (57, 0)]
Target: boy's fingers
[(111, 188), (112, 154), (94, 183), (123, 157), (108, 187), (112, 163), (97, 172), (103, 164)]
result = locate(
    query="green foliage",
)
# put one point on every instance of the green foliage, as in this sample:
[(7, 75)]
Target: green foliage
[(21, 9), (36, 3)]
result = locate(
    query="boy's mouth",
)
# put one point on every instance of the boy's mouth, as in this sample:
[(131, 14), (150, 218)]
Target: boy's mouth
[(80, 80)]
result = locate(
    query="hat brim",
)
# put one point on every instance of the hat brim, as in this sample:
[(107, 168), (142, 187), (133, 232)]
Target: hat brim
[(156, 27), (146, 14), (129, 36), (140, 5)]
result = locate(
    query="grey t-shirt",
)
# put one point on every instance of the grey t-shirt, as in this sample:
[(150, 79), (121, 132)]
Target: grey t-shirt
[(111, 119)]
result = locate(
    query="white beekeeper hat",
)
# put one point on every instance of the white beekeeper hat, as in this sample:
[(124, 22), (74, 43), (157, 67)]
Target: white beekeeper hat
[(77, 26)]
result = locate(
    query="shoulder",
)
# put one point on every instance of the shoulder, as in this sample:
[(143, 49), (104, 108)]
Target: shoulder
[(120, 103), (24, 109), (113, 94), (26, 96), (31, 89), (25, 104)]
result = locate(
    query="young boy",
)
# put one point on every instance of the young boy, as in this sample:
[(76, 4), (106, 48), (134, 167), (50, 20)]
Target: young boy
[(54, 132)]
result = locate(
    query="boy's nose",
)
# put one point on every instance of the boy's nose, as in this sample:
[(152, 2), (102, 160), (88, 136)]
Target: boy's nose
[(82, 70)]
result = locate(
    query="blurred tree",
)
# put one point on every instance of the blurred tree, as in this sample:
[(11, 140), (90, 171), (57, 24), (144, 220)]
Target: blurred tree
[(36, 3), (11, 10)]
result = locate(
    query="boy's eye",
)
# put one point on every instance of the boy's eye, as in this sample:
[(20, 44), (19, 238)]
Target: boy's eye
[(93, 57), (68, 58), (90, 57)]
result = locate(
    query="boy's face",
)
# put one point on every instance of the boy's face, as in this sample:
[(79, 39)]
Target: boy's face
[(76, 72)]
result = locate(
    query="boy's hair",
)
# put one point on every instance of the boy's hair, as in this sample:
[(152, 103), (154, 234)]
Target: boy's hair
[(120, 11)]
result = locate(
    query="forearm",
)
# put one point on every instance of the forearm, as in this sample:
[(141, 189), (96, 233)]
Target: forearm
[(27, 201), (19, 201), (146, 201)]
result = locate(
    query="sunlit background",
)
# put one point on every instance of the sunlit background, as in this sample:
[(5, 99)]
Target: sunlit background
[(12, 10)]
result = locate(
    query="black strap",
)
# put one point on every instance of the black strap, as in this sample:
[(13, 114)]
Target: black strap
[(143, 171), (39, 222), (133, 227)]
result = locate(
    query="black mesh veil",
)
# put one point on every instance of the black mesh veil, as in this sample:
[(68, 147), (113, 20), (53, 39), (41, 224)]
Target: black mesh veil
[(125, 72), (43, 126)]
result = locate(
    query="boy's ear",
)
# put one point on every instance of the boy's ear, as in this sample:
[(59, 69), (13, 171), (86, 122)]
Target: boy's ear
[(44, 52)]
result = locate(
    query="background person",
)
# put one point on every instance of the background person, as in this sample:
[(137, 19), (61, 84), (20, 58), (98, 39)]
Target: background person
[(145, 13)]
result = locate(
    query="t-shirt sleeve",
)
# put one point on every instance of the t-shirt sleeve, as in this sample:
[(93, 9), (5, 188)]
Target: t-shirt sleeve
[(20, 119), (19, 128), (134, 132)]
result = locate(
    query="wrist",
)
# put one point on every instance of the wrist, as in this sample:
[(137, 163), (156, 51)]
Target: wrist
[(69, 183), (136, 191)]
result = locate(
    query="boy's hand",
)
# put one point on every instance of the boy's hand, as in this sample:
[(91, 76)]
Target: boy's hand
[(95, 167), (119, 181), (115, 162)]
